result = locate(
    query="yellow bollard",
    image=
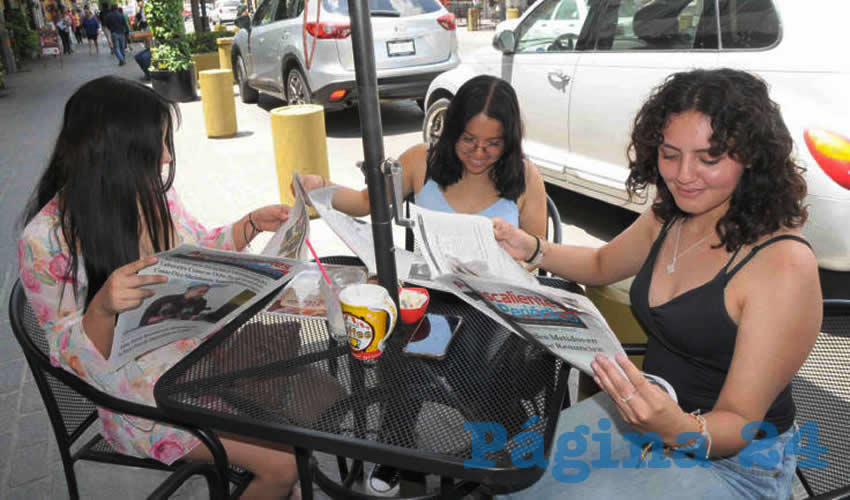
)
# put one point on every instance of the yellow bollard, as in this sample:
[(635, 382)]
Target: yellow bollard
[(225, 47), (512, 13), (300, 145), (218, 102)]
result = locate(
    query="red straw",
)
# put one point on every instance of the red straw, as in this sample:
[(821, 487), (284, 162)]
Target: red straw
[(321, 267)]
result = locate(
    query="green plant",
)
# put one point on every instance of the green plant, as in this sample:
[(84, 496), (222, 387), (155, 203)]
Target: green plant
[(171, 52), (24, 39), (200, 43)]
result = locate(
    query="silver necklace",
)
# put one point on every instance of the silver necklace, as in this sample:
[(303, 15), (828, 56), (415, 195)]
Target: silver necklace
[(671, 267)]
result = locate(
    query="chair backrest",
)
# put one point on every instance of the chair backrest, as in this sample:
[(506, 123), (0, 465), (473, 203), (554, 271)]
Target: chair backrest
[(69, 411), (821, 391)]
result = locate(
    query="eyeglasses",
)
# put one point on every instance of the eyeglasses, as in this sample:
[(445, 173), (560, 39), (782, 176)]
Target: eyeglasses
[(470, 145)]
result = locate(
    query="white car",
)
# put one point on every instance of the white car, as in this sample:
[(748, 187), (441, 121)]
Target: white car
[(224, 11), (580, 92), (414, 41)]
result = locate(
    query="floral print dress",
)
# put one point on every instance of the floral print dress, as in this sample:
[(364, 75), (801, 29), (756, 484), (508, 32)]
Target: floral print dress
[(42, 260)]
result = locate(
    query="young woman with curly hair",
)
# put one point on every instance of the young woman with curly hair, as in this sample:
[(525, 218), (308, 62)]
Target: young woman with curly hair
[(726, 289)]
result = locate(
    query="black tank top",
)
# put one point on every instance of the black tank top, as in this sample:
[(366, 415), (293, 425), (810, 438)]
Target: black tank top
[(692, 337)]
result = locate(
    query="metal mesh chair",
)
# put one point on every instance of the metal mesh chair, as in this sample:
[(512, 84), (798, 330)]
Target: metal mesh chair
[(70, 404), (821, 391)]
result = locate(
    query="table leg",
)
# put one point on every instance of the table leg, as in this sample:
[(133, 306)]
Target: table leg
[(305, 473)]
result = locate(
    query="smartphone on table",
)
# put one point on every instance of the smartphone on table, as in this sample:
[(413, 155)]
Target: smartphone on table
[(433, 335)]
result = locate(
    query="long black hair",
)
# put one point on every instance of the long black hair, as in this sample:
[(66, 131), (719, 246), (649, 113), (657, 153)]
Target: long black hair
[(496, 99), (106, 174), (748, 126)]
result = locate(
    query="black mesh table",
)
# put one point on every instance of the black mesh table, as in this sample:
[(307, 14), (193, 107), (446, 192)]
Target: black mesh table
[(286, 380)]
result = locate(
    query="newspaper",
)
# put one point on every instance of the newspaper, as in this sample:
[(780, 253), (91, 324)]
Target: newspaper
[(288, 241), (357, 234), (566, 324), (454, 243), (206, 290)]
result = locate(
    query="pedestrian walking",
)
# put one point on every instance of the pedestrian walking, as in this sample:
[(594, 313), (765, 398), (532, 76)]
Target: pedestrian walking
[(126, 18), (91, 27), (113, 20), (101, 15), (63, 26), (77, 26)]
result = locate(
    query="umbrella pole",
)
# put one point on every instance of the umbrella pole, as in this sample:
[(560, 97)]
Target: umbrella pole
[(373, 143)]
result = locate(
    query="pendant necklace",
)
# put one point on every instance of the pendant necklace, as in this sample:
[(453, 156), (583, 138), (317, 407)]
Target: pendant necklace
[(671, 267)]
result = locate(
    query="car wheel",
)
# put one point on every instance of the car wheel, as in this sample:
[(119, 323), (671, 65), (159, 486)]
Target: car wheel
[(247, 93), (297, 91), (435, 118)]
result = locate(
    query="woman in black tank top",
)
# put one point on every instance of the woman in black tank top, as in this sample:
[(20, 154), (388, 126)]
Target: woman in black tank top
[(725, 287)]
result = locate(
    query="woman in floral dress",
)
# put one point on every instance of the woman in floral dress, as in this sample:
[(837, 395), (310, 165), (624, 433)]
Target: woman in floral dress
[(102, 209)]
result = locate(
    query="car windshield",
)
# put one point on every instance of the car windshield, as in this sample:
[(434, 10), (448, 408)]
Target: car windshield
[(394, 8)]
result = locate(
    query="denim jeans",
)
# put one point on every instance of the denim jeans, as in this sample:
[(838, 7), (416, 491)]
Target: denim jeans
[(118, 45), (722, 478)]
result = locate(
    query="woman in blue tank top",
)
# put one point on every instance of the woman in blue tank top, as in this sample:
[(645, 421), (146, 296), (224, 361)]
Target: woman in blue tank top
[(726, 289), (475, 167)]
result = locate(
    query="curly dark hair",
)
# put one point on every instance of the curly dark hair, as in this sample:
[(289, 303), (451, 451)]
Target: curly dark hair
[(747, 125), (496, 99)]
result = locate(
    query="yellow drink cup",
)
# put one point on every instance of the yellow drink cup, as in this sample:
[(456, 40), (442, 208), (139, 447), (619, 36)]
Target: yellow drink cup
[(370, 317)]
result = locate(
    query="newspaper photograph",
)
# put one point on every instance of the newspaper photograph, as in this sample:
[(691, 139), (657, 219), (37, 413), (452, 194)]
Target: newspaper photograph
[(288, 241), (206, 289)]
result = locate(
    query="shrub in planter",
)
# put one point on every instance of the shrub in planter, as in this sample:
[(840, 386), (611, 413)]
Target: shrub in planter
[(171, 63), (201, 43), (204, 50)]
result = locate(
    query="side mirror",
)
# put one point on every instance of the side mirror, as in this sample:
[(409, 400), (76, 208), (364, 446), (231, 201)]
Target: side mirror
[(505, 41)]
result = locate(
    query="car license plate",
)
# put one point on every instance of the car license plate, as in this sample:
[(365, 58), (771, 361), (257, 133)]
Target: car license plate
[(401, 48)]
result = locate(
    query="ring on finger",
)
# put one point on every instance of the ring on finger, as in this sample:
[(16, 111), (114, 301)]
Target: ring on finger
[(628, 398)]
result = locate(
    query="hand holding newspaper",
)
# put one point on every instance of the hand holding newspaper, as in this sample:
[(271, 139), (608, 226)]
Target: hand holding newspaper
[(288, 241), (206, 290)]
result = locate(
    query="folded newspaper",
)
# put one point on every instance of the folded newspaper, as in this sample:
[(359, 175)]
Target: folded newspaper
[(459, 254), (206, 289)]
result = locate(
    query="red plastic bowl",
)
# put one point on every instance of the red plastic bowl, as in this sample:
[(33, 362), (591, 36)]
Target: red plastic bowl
[(414, 315)]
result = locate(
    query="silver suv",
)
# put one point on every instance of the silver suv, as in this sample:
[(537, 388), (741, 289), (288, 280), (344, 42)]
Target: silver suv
[(309, 59)]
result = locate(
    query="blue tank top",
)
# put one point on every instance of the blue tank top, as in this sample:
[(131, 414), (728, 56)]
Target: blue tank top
[(431, 197)]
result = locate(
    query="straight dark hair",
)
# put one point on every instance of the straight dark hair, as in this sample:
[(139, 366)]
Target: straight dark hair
[(106, 174), (496, 99)]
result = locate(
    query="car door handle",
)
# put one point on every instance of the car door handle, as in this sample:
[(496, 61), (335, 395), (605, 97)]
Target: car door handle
[(559, 80)]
